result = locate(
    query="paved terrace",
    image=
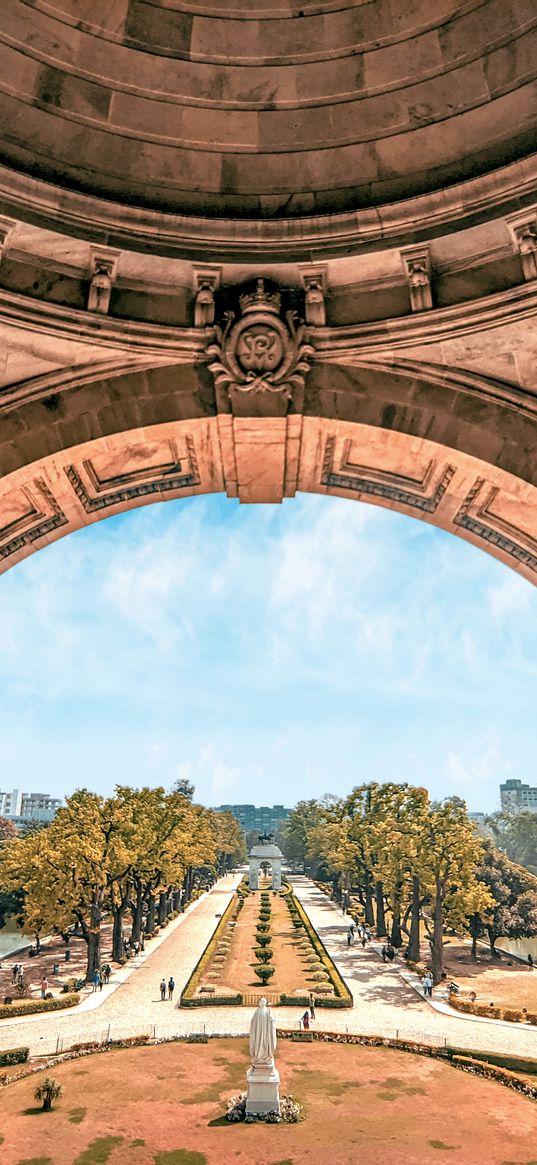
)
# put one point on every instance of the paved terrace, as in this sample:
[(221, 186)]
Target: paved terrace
[(383, 1003)]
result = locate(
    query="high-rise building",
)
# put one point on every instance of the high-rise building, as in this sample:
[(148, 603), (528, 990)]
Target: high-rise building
[(514, 795), (21, 807), (262, 818)]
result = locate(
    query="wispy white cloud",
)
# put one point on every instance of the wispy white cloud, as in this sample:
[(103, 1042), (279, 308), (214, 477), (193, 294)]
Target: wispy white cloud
[(341, 641)]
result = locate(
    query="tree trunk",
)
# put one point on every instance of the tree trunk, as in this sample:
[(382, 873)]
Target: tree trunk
[(176, 899), (475, 930), (414, 937), (396, 936), (368, 903), (137, 914), (493, 936), (151, 914), (379, 903), (162, 907), (437, 944)]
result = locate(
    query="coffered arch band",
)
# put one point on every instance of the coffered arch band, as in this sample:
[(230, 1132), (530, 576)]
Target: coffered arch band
[(436, 448)]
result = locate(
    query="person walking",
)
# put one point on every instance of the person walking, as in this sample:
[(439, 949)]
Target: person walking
[(44, 986), (306, 1021), (364, 938), (106, 972), (312, 1005), (349, 938), (97, 981), (530, 963), (162, 988), (171, 986), (14, 972)]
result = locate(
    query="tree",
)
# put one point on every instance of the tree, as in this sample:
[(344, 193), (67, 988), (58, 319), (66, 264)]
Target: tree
[(185, 787), (298, 827), (48, 1091), (8, 829), (516, 834), (513, 909), (454, 852)]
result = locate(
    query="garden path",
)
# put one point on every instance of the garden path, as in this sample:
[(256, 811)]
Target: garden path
[(383, 1003)]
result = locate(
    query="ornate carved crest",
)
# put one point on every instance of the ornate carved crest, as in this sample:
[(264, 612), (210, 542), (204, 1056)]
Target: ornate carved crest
[(260, 353)]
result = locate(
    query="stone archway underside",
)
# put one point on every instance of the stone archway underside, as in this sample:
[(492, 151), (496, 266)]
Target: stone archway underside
[(352, 183), (82, 484)]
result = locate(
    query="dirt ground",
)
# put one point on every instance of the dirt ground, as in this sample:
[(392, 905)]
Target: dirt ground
[(52, 952), (291, 972), (165, 1106), (505, 981)]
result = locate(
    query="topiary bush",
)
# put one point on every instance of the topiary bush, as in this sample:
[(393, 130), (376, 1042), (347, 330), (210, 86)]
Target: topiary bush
[(263, 940), (264, 972), (263, 954)]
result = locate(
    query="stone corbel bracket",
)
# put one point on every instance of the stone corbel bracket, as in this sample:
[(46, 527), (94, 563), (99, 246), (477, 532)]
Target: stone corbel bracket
[(6, 227), (314, 279), (417, 267), (206, 282), (103, 273), (523, 230)]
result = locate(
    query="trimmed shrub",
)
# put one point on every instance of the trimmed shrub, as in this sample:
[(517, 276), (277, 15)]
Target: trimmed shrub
[(31, 1006), (13, 1056), (264, 972), (263, 928), (263, 940), (320, 977), (263, 954)]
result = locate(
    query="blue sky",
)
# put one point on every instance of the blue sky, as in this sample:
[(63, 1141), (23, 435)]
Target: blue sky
[(268, 654)]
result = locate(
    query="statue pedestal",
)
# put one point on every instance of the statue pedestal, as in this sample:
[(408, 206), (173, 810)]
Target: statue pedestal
[(263, 1089)]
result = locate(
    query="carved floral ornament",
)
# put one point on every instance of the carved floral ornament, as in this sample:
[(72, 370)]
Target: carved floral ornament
[(260, 353)]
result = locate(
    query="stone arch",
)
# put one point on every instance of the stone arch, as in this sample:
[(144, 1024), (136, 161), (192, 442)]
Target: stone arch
[(265, 852), (429, 441)]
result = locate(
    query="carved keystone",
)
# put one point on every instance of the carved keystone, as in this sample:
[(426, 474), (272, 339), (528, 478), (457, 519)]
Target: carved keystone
[(206, 282), (314, 282)]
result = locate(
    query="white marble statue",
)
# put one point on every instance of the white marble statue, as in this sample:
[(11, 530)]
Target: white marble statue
[(262, 1036)]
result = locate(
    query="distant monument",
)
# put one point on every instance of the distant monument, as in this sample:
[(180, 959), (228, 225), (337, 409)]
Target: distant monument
[(263, 1077), (267, 852)]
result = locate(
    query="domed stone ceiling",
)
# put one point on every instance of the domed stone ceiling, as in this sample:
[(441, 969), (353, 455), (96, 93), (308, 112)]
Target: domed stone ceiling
[(253, 110)]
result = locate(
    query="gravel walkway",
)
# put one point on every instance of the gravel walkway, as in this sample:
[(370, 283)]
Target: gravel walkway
[(383, 1003)]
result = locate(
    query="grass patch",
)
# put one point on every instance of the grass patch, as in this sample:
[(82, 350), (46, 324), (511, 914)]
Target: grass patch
[(440, 1145), (98, 1152), (308, 1081), (137, 1143), (180, 1157), (36, 1161), (76, 1116)]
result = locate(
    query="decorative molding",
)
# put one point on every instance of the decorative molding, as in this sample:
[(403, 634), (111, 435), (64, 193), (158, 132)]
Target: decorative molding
[(420, 493), (35, 514), (96, 492), (260, 356), (480, 520)]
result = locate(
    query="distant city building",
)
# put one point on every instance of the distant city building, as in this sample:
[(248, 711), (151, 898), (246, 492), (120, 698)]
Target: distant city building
[(261, 818), (514, 795), (22, 807)]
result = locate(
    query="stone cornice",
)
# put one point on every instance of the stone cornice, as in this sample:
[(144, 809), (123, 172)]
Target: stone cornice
[(349, 344), (180, 236)]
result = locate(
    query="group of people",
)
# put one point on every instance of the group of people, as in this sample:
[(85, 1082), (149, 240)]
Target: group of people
[(356, 930), (309, 1014), (427, 983), (388, 953), (169, 987), (17, 973), (100, 977), (133, 947)]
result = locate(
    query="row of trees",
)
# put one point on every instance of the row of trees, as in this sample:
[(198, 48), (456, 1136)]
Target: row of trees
[(417, 867), (134, 853)]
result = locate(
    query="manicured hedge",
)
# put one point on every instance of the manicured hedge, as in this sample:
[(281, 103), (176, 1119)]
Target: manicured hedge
[(491, 1011), (187, 995), (342, 992), (31, 1006), (13, 1056)]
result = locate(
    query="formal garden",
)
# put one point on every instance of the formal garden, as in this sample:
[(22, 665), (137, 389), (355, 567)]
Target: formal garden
[(265, 944), (166, 1105)]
